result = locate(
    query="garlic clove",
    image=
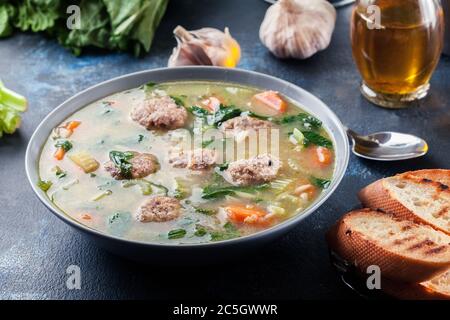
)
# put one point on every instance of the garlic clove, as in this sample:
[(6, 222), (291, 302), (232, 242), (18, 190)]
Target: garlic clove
[(298, 28), (206, 46)]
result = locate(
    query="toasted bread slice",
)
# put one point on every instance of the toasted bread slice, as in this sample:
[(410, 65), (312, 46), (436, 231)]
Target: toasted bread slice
[(436, 289), (438, 175), (403, 250), (412, 196)]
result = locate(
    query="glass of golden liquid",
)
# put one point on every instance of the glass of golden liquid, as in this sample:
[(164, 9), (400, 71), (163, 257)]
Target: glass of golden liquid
[(396, 45)]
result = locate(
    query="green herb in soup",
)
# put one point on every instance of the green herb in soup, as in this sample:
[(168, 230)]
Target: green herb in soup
[(177, 163)]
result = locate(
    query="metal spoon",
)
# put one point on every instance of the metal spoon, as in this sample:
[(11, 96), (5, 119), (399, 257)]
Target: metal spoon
[(387, 146), (337, 4)]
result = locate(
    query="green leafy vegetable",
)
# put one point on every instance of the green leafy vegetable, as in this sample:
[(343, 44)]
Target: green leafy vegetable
[(207, 212), (316, 139), (257, 116), (60, 173), (206, 143), (223, 166), (229, 232), (182, 190), (140, 138), (110, 24), (120, 160), (178, 101), (65, 144), (200, 231), (214, 191), (198, 112), (176, 234), (11, 107), (320, 183), (306, 119), (149, 86), (223, 114), (44, 185)]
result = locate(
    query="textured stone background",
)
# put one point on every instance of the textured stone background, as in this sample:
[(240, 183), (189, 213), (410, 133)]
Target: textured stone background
[(36, 247)]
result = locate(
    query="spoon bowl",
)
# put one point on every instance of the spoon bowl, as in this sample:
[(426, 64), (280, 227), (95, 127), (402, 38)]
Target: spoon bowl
[(387, 146)]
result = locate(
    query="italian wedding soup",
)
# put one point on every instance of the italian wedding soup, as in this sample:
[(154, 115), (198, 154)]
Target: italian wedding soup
[(187, 162)]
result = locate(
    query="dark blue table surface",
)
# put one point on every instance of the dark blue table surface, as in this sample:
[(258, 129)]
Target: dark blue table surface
[(36, 247)]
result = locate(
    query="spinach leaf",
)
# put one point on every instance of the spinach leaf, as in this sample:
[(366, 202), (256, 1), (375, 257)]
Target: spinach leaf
[(257, 116), (223, 166), (229, 232), (316, 139), (215, 191), (198, 112), (176, 234), (200, 230), (207, 212), (66, 145), (320, 183), (223, 114), (306, 119), (120, 160), (140, 138), (178, 101)]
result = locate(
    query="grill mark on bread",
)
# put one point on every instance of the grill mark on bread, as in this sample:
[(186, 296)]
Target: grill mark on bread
[(422, 244), (443, 186), (403, 240), (436, 250), (407, 227), (441, 212)]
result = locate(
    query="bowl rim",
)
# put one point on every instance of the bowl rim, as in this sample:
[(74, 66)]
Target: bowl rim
[(279, 228)]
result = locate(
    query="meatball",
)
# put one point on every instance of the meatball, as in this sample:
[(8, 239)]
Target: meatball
[(198, 159), (142, 164), (159, 113), (159, 209), (257, 170), (244, 123)]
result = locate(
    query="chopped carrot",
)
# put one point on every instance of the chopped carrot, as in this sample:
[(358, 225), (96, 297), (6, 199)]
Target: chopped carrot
[(272, 100), (324, 156), (72, 125), (86, 216), (59, 154), (247, 214), (212, 103)]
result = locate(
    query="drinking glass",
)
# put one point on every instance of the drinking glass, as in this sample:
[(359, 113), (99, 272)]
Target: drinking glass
[(396, 45)]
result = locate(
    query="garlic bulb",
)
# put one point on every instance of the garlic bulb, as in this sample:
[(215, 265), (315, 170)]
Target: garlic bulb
[(206, 46), (298, 28)]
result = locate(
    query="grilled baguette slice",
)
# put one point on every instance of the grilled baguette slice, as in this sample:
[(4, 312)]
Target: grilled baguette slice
[(438, 175), (435, 289), (414, 196), (403, 250)]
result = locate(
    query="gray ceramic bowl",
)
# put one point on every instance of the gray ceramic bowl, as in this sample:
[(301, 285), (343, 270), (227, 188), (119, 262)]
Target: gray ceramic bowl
[(197, 253)]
